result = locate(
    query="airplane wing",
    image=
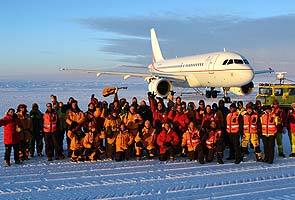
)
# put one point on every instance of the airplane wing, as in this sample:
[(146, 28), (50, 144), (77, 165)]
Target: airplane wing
[(126, 75), (269, 70)]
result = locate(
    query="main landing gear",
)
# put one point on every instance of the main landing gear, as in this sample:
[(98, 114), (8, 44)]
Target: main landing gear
[(212, 93)]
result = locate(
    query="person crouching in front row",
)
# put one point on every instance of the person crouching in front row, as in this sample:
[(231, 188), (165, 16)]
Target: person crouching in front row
[(214, 143), (91, 143), (167, 141), (76, 146), (123, 141), (191, 141), (145, 140)]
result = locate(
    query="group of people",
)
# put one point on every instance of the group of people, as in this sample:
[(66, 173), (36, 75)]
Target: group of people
[(121, 130)]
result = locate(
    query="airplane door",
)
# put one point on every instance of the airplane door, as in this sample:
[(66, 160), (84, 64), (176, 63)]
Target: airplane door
[(211, 63)]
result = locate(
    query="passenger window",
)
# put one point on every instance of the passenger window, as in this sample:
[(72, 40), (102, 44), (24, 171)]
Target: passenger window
[(278, 92), (224, 62), (230, 62), (292, 91), (238, 61)]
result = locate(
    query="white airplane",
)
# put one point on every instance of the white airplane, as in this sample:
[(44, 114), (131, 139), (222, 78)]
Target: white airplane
[(226, 70)]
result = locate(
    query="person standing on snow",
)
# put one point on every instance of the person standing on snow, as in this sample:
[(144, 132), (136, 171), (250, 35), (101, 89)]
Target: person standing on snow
[(11, 139)]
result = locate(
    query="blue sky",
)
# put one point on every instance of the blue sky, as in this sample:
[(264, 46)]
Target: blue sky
[(38, 37)]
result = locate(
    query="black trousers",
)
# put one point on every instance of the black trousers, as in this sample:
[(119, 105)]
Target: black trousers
[(110, 150), (234, 146), (36, 141), (8, 148), (123, 155), (51, 145), (196, 154), (269, 146)]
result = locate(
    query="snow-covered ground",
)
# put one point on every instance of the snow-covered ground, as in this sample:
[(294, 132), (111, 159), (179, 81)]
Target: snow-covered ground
[(146, 179)]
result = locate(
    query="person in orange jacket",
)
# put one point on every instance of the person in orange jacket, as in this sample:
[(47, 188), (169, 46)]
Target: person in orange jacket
[(92, 146), (269, 122), (214, 143), (76, 135), (124, 140), (191, 140), (234, 126), (74, 118), (167, 141), (252, 126), (145, 140)]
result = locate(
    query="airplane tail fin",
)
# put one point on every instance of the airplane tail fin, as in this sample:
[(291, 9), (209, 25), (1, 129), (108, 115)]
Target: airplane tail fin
[(156, 51)]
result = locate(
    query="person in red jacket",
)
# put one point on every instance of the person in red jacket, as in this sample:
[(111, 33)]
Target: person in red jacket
[(291, 129), (158, 111), (167, 141), (11, 136)]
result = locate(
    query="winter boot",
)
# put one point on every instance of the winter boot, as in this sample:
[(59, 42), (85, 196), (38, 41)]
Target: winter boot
[(282, 155), (7, 163), (219, 158), (292, 155)]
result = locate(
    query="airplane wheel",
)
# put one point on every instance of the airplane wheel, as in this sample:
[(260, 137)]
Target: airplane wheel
[(214, 94), (208, 94)]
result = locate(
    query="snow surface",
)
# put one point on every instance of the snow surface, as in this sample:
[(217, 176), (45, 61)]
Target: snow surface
[(146, 179)]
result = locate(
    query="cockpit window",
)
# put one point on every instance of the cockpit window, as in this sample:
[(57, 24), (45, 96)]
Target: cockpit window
[(224, 62), (230, 61), (238, 61), (246, 61)]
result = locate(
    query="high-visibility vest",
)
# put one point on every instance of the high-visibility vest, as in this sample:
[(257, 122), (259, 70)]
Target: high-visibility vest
[(250, 123), (232, 122), (268, 123), (213, 137), (50, 122)]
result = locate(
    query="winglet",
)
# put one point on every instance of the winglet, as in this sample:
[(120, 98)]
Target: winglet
[(156, 51)]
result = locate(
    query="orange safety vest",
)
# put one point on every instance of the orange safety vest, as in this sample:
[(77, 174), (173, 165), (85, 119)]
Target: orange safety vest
[(232, 122), (50, 122), (268, 124), (250, 123), (213, 137)]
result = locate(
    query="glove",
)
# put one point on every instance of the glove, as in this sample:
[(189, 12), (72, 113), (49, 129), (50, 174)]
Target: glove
[(136, 120), (172, 93), (167, 144), (151, 95), (183, 152), (234, 120), (139, 144)]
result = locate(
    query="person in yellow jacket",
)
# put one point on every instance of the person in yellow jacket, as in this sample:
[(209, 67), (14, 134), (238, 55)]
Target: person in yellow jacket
[(110, 130), (25, 134), (77, 136), (124, 140), (92, 115), (74, 118), (92, 146), (269, 122), (145, 140), (132, 120)]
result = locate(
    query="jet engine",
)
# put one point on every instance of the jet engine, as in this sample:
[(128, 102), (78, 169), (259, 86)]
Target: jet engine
[(244, 90), (160, 86)]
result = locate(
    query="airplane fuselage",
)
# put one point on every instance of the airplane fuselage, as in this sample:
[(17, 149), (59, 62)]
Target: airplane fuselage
[(219, 69)]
